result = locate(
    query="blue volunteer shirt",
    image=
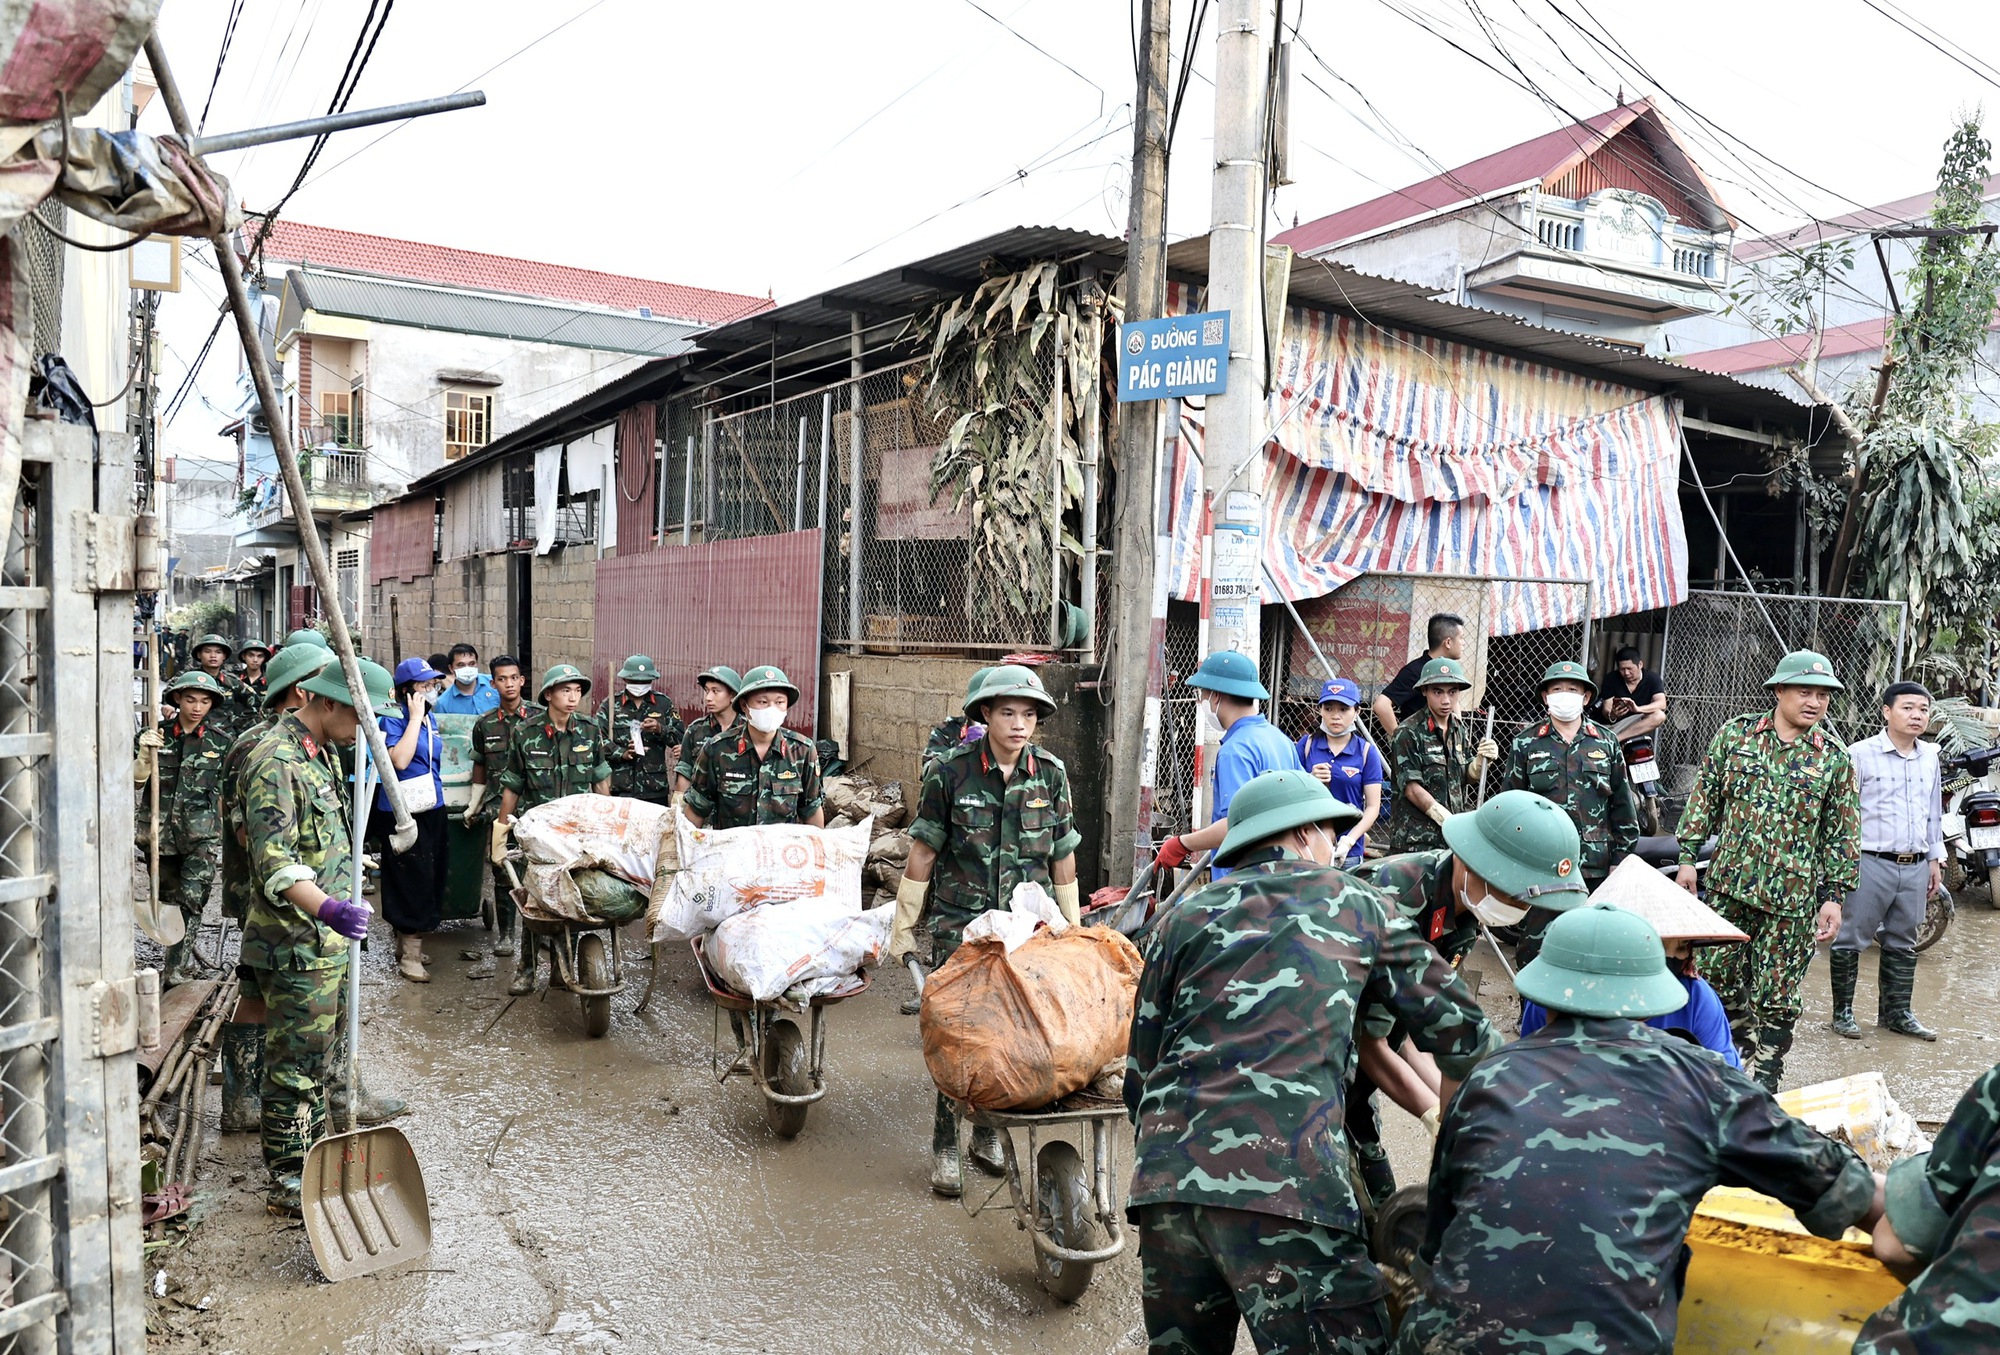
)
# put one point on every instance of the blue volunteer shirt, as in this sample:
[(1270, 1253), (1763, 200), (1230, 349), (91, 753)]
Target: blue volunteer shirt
[(1251, 745), (426, 762), (1703, 1018), (482, 698), (1355, 768)]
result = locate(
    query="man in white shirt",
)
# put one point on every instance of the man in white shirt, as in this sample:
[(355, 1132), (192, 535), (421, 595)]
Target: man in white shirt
[(1902, 863)]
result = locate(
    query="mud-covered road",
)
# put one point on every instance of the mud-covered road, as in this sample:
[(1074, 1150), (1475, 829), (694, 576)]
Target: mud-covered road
[(608, 1195)]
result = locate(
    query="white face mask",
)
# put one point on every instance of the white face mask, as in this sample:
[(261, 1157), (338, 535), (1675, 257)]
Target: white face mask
[(1211, 723), (1490, 910), (765, 719), (1565, 706), (466, 676), (638, 688)]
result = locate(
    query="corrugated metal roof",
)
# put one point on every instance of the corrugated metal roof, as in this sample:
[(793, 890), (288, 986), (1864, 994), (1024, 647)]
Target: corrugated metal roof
[(498, 317)]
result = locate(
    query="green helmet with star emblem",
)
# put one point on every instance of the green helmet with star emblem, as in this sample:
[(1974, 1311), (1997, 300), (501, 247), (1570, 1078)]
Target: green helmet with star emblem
[(1602, 961), (1566, 670), (1524, 846), (1804, 668)]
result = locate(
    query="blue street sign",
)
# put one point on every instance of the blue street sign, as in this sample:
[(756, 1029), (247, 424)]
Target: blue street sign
[(1180, 355)]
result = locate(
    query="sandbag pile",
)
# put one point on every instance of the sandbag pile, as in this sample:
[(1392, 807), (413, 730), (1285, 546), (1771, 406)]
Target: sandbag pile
[(590, 859), (857, 799), (1019, 1027)]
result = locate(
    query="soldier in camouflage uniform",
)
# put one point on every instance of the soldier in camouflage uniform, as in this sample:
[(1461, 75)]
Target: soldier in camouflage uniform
[(1570, 1162), (562, 753), (648, 776), (254, 657), (1242, 1041), (950, 735), (1578, 764), (760, 772), (1780, 797), (237, 707), (1434, 761), (990, 816), (718, 699), (1517, 851), (295, 939), (190, 748), (1943, 1213), (492, 733)]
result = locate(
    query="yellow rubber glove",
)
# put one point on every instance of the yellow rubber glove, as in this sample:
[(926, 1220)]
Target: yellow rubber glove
[(1433, 1118), (1069, 902), (909, 908), (472, 805), (497, 845), (1438, 813)]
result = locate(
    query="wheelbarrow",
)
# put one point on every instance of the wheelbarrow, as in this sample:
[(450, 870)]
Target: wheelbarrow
[(584, 957), (788, 1066)]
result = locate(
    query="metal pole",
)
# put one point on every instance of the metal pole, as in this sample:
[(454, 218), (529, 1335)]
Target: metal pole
[(687, 497), (660, 445), (1055, 492), (708, 477), (1093, 443), (338, 122), (1589, 607), (405, 835), (825, 454), (1299, 621), (1135, 635), (854, 485), (799, 481)]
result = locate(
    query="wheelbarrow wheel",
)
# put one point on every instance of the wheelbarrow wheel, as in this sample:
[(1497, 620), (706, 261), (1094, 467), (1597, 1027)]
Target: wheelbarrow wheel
[(1393, 1243), (1062, 1195), (594, 971), (785, 1073), (1937, 919)]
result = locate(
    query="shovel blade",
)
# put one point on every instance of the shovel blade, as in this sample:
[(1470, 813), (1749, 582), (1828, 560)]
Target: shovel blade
[(365, 1205)]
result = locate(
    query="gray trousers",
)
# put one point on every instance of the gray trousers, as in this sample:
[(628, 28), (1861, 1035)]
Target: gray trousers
[(1886, 907)]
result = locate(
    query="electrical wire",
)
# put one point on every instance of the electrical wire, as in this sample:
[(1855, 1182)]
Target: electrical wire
[(221, 55), (1929, 41), (1101, 95)]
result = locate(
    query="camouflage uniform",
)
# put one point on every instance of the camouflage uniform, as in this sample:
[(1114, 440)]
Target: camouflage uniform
[(733, 788), (1438, 760), (696, 737), (1241, 1045), (1586, 777), (1953, 1305), (1564, 1177), (1419, 885), (650, 777), (1788, 822), (990, 833), (491, 734), (947, 738), (190, 845), (545, 763), (237, 890), (297, 819), (238, 707)]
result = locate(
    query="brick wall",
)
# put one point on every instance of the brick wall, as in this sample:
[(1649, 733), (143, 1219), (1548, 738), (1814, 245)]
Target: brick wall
[(895, 701), (565, 587), (464, 600)]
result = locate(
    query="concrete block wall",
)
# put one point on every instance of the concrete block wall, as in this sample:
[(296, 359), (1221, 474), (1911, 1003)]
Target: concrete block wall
[(463, 600), (564, 607)]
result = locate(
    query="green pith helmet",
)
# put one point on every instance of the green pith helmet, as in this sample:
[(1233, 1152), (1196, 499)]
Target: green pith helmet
[(766, 678), (1230, 673), (1602, 961), (722, 673), (1443, 673), (380, 686), (205, 641), (1273, 802), (257, 645), (1009, 679), (1566, 670), (1526, 847), (1913, 1208), (638, 668), (306, 635), (194, 680), (562, 672), (290, 666), (972, 683), (1803, 668)]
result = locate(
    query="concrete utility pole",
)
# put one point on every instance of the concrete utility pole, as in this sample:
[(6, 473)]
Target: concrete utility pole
[(1136, 633), (1232, 460)]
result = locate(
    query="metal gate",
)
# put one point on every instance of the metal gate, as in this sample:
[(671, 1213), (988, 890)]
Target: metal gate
[(70, 1245)]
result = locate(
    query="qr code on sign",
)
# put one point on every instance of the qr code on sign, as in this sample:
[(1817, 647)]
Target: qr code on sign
[(1211, 331)]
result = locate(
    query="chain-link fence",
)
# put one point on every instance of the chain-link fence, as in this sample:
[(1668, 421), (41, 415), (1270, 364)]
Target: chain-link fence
[(1720, 647), (39, 255)]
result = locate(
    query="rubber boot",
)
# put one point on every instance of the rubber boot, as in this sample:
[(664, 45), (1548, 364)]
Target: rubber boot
[(1896, 975), (410, 958), (947, 1178), (370, 1110), (1765, 1060), (1376, 1173), (503, 917), (242, 1077), (177, 965), (1846, 967), (286, 1140), (524, 970), (986, 1152)]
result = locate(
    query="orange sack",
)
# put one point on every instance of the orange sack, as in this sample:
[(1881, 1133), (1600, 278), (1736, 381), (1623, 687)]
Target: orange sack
[(1016, 1032)]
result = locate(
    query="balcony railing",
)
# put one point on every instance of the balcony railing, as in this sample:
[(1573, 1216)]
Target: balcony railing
[(1557, 232), (340, 433), (333, 472)]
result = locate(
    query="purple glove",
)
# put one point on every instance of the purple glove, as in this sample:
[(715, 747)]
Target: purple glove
[(346, 916)]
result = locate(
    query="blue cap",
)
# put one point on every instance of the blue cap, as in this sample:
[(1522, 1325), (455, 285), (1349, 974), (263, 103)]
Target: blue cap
[(415, 670), (1232, 673), (1339, 689)]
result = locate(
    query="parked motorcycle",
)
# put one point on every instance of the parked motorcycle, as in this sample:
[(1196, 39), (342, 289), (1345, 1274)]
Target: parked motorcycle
[(1644, 769), (1972, 822)]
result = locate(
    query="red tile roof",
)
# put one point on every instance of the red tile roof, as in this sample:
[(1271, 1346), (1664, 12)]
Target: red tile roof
[(294, 242), (1538, 161), (1863, 336), (1913, 210)]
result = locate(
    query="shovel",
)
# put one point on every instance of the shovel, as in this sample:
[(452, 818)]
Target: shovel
[(365, 1204)]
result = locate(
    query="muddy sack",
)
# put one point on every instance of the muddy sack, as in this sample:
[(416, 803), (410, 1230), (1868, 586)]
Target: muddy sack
[(569, 839), (724, 871), (797, 951), (605, 895), (1016, 1032)]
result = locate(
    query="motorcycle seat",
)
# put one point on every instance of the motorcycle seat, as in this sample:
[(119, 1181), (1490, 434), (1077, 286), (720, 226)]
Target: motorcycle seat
[(1665, 850)]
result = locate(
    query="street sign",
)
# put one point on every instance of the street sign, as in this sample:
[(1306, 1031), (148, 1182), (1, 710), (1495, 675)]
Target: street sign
[(1180, 355)]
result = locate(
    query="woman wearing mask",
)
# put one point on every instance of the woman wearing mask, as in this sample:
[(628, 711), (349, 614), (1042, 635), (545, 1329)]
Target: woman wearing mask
[(1578, 764), (413, 881), (759, 772)]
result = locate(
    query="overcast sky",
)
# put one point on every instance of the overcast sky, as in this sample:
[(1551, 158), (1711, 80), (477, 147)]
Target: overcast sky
[(784, 147)]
